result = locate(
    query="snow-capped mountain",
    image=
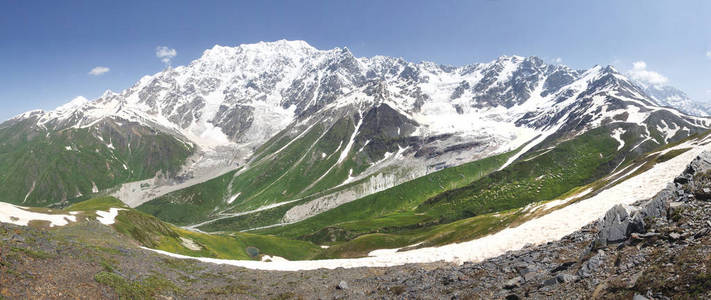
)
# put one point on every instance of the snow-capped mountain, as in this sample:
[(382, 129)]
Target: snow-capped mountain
[(374, 116), (673, 97)]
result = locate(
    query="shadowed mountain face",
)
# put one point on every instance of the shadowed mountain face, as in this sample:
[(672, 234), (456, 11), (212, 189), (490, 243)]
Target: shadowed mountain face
[(308, 124)]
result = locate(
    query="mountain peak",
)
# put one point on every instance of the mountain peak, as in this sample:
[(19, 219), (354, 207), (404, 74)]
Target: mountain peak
[(108, 93), (75, 103), (285, 48)]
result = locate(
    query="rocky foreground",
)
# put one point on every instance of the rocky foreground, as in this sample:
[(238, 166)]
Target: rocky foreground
[(656, 249)]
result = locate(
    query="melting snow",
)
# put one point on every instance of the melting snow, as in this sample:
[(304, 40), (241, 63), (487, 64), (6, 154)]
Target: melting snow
[(232, 199), (267, 258), (554, 203), (21, 216), (617, 135), (34, 183), (108, 217), (345, 151)]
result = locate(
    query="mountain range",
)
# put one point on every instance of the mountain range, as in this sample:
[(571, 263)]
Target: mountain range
[(284, 139)]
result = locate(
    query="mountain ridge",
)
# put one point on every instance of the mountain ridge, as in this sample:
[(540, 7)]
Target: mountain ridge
[(233, 102)]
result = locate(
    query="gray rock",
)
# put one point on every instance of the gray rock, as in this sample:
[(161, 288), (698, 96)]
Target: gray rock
[(530, 276), (528, 268), (658, 206), (591, 266), (564, 266), (636, 224), (701, 233), (617, 225), (675, 205), (700, 164), (342, 285), (563, 278), (18, 238), (703, 194), (639, 297), (550, 282), (644, 235), (513, 282)]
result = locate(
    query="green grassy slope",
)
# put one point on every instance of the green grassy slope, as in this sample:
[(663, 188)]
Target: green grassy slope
[(572, 163), (458, 212), (452, 205), (393, 206), (58, 166), (151, 232), (295, 165), (282, 170), (192, 204)]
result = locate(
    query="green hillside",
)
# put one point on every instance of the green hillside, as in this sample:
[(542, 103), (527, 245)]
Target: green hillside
[(41, 167)]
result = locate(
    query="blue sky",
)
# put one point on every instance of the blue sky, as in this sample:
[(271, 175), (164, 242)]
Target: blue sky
[(48, 48)]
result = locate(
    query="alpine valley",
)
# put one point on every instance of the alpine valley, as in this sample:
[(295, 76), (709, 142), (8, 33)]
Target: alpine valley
[(279, 151)]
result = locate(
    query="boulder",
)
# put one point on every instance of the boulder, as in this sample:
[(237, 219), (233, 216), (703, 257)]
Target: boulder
[(618, 225), (563, 278), (703, 194), (700, 164), (513, 282), (639, 297), (530, 276), (658, 205), (550, 282), (591, 266)]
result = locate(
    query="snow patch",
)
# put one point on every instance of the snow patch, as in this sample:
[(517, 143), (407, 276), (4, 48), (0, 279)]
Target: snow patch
[(554, 203), (275, 259), (34, 183), (19, 215), (108, 217), (617, 135), (232, 199), (346, 150)]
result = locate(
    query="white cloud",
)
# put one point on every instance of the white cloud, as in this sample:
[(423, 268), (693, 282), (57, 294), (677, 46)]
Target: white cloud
[(708, 54), (165, 54), (640, 73), (558, 60), (98, 70)]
